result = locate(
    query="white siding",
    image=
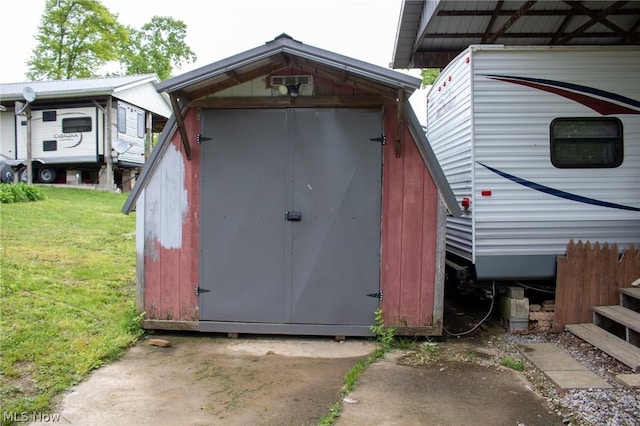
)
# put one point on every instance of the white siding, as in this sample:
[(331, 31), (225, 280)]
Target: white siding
[(512, 133), (507, 126), (135, 152), (146, 97), (7, 134), (69, 146), (165, 204), (449, 131)]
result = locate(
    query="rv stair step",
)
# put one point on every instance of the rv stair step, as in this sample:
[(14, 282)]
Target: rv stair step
[(630, 298), (608, 343), (606, 316)]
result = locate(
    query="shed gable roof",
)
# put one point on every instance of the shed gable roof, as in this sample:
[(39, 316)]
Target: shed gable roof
[(284, 53)]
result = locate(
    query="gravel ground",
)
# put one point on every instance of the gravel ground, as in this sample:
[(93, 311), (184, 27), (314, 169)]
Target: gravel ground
[(616, 406), (619, 406)]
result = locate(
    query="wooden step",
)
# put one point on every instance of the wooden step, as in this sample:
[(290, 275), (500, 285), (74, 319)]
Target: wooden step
[(607, 316), (630, 298), (619, 314), (608, 343)]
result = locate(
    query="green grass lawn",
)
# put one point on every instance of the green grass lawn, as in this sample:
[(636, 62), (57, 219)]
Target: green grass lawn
[(67, 293)]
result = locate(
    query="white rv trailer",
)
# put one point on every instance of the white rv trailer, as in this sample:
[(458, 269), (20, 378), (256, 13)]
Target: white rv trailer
[(541, 145), (69, 136), (64, 137)]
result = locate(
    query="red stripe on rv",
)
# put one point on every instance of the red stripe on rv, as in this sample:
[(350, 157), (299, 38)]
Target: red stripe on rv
[(598, 105)]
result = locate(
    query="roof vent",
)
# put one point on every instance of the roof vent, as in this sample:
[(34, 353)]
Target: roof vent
[(284, 35)]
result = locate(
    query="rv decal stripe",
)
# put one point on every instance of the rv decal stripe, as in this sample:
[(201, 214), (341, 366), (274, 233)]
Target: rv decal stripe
[(558, 193), (79, 142), (602, 102)]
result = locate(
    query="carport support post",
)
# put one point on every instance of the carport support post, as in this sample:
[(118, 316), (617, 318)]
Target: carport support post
[(108, 160), (29, 153), (107, 146), (149, 139)]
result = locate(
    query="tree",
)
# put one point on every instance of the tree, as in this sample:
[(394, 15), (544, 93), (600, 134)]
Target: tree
[(75, 38), (429, 76), (157, 47)]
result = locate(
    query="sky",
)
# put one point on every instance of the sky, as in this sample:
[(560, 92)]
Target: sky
[(217, 29)]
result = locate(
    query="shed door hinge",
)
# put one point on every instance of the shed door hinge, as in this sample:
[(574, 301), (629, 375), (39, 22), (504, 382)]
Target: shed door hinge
[(201, 290), (377, 295), (382, 139), (200, 139)]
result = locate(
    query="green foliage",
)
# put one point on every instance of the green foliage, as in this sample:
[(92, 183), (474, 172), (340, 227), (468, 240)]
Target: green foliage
[(385, 335), (429, 76), (512, 363), (157, 47), (426, 354), (334, 413), (75, 38), (67, 291), (20, 192), (350, 381)]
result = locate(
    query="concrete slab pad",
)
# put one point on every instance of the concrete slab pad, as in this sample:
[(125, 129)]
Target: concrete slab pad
[(629, 380), (302, 347), (446, 393), (211, 380), (548, 356), (577, 380), (561, 368)]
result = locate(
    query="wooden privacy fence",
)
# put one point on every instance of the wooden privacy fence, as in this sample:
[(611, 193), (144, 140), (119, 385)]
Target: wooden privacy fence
[(591, 275)]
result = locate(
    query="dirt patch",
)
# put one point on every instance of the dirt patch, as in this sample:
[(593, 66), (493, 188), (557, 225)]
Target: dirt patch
[(19, 381), (202, 380)]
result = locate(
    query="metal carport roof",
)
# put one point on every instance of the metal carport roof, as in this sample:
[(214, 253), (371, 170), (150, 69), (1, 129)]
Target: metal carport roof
[(432, 32), (135, 89)]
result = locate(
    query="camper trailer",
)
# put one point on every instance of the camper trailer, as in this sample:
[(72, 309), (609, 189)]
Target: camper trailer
[(541, 145), (74, 138), (70, 142)]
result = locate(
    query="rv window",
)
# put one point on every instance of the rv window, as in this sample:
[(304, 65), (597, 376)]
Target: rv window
[(586, 142), (51, 145), (122, 120), (49, 116), (76, 124), (141, 125)]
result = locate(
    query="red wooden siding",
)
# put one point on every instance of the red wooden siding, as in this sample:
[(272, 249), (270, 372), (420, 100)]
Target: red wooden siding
[(171, 274), (409, 233), (408, 251)]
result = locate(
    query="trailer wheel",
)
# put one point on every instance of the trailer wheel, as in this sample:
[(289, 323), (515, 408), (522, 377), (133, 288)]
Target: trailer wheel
[(6, 174), (47, 175), (22, 175)]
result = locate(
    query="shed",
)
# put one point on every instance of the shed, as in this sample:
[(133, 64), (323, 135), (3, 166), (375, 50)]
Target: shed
[(293, 191)]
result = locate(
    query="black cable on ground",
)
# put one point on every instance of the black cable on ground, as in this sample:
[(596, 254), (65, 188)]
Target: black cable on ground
[(493, 298)]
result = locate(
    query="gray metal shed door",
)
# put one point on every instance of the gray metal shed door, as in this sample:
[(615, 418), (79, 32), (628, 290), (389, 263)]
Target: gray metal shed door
[(315, 268)]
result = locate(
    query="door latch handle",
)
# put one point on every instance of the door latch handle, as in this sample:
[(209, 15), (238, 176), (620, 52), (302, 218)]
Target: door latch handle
[(292, 216)]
